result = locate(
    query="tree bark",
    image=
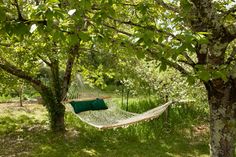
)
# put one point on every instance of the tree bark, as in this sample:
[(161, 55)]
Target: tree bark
[(21, 98), (21, 88), (56, 112), (221, 97)]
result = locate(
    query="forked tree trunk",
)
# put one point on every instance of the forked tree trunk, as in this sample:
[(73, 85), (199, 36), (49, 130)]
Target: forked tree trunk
[(222, 98)]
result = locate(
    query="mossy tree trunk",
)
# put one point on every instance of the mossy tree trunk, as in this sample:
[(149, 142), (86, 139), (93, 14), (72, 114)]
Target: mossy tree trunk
[(57, 90), (211, 57), (222, 99), (56, 111)]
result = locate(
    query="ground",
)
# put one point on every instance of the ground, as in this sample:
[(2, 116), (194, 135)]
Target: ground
[(24, 132)]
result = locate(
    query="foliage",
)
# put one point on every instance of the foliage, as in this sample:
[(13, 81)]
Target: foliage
[(9, 84)]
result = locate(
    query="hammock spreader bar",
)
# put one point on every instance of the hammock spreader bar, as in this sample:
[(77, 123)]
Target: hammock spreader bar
[(114, 117)]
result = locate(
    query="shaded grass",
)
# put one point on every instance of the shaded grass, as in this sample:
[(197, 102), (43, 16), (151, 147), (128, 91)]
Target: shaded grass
[(24, 132)]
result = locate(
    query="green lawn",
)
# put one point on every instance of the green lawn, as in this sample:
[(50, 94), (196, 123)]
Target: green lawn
[(24, 132)]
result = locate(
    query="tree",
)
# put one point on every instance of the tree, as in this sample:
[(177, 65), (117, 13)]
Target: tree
[(32, 37), (195, 37), (12, 85)]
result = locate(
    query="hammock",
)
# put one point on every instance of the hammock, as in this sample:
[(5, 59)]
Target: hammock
[(114, 117)]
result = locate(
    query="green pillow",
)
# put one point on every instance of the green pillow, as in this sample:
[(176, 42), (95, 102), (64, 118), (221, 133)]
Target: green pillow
[(99, 104), (80, 106)]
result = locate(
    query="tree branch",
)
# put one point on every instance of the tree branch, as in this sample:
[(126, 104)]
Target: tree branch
[(129, 34), (44, 60), (170, 63), (151, 28), (167, 6), (11, 69), (176, 66), (20, 17), (117, 30), (128, 4), (185, 62), (189, 60), (68, 71)]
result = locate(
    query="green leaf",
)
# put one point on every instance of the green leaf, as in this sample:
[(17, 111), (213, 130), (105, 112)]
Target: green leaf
[(84, 36), (58, 36), (49, 16), (2, 14), (204, 33), (219, 74), (58, 13), (181, 49), (86, 4), (191, 80), (143, 7), (73, 39), (163, 66), (204, 75), (185, 4), (201, 38), (20, 29)]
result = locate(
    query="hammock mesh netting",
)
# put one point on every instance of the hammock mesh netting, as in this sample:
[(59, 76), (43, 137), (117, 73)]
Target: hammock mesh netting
[(114, 117)]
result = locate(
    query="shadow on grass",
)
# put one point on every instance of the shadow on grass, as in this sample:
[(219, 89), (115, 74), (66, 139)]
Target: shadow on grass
[(28, 137)]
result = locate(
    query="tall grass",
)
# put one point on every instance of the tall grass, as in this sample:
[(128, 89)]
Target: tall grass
[(178, 116), (25, 135)]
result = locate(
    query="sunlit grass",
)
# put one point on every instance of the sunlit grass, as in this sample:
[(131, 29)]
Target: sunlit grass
[(25, 132)]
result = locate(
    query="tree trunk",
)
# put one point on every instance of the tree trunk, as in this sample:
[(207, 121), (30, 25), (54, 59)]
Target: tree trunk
[(21, 99), (56, 112), (21, 95), (127, 100), (222, 98), (122, 95)]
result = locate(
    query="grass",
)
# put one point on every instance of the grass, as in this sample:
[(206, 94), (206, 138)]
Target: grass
[(24, 132)]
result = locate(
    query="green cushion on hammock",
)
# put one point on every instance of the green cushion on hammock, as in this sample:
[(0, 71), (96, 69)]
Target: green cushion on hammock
[(80, 106), (99, 104)]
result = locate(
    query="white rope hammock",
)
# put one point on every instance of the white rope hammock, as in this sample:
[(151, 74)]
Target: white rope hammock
[(114, 117)]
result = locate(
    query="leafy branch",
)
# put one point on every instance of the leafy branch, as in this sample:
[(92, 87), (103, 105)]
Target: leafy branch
[(188, 61), (170, 63), (151, 28)]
